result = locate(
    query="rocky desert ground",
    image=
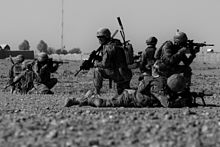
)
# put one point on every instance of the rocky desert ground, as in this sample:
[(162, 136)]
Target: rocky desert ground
[(42, 120)]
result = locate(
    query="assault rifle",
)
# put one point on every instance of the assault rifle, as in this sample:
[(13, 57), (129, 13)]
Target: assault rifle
[(12, 61), (125, 42), (57, 62), (89, 63), (8, 85), (128, 49), (122, 30), (191, 43), (200, 95)]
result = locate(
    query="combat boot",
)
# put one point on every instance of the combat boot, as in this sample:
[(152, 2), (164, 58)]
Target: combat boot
[(184, 99), (122, 86), (70, 102), (163, 99)]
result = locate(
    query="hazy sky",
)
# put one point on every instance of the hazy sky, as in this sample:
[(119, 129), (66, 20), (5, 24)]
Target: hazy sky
[(36, 20)]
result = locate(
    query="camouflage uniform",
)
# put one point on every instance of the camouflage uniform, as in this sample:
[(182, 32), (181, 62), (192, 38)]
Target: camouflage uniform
[(147, 60), (112, 66), (44, 70), (129, 53), (28, 80), (147, 57), (14, 71), (169, 59), (151, 92)]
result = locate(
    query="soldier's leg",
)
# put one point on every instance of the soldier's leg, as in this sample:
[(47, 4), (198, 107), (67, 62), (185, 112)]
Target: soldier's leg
[(12, 89), (121, 86), (133, 98), (126, 99), (160, 91), (145, 100), (40, 89), (187, 73), (51, 83), (98, 80), (99, 75)]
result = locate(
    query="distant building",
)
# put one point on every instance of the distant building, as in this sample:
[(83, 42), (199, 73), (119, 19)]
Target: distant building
[(210, 50), (5, 47), (5, 52)]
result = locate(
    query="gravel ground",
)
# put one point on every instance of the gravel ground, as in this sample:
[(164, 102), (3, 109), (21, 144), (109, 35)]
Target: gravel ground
[(41, 120)]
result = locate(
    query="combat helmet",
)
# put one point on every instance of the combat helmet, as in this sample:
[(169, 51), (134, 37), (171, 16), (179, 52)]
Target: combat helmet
[(176, 82), (151, 41), (180, 38), (42, 57), (27, 65), (104, 32), (19, 58)]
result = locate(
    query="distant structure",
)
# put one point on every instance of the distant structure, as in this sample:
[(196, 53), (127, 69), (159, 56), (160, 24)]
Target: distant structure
[(62, 25), (5, 47), (209, 50), (5, 52)]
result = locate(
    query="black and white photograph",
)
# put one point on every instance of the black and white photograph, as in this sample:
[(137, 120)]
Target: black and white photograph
[(119, 73)]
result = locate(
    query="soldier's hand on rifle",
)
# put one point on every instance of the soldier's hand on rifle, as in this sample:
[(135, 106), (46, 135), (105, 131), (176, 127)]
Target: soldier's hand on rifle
[(97, 63), (86, 65), (183, 50), (196, 49), (93, 54)]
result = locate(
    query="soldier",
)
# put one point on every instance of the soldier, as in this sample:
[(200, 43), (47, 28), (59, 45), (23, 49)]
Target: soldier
[(28, 80), (14, 71), (113, 64), (44, 67), (147, 57), (170, 54), (151, 92)]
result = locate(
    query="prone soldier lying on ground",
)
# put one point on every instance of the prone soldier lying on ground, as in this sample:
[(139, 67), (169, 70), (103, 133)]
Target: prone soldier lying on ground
[(151, 92)]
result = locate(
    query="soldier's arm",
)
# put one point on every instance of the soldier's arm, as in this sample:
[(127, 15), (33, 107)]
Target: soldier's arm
[(104, 62), (54, 67), (158, 53), (143, 61), (43, 69), (169, 57), (18, 78), (11, 72), (36, 77), (188, 60), (37, 67)]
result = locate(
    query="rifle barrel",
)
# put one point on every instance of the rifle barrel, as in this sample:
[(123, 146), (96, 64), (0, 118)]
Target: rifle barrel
[(77, 73), (120, 23), (209, 44), (12, 61), (116, 31)]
